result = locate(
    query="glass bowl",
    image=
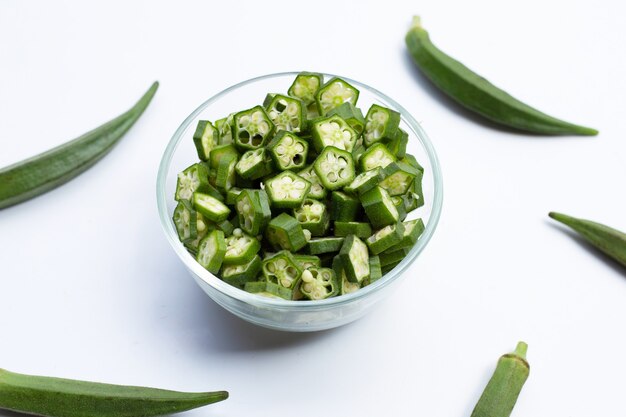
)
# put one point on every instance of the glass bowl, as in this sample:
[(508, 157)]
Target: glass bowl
[(294, 316)]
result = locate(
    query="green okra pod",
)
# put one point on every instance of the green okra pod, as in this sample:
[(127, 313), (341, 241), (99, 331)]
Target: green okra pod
[(502, 390), (608, 240), (46, 396)]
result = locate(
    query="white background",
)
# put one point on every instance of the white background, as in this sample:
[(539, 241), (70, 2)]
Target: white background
[(90, 288)]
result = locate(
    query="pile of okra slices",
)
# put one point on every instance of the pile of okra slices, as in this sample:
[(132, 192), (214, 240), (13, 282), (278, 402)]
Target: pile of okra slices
[(302, 197)]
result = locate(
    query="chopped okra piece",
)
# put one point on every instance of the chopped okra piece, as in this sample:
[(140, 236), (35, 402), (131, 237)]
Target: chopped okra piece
[(287, 190), (418, 193), (345, 286), (252, 128), (185, 221), (205, 138), (333, 131), (212, 208), (268, 289), (213, 192), (252, 216), (398, 178), (351, 114), (231, 195), (410, 159), (288, 151), (305, 86), (319, 283), (412, 231), (225, 128), (385, 238), (333, 94), (193, 178), (317, 190), (225, 178), (284, 232), (344, 208), (393, 257), (308, 261), (240, 248), (399, 203), (365, 181), (354, 257), (286, 113), (225, 226), (411, 201), (211, 251), (220, 152), (358, 151), (387, 268), (202, 229), (379, 208), (397, 145), (375, 271), (376, 155), (320, 245), (282, 269), (334, 167), (313, 216), (254, 164), (238, 275), (381, 125), (359, 229)]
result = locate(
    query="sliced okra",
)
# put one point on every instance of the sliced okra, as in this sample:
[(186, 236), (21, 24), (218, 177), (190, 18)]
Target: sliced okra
[(398, 178), (268, 289), (313, 216), (202, 229), (185, 220), (412, 231), (354, 257), (387, 268), (252, 128), (320, 245), (358, 151), (288, 151), (225, 178), (240, 248), (212, 208), (412, 201), (231, 195), (399, 203), (238, 275), (351, 114), (317, 190), (397, 145), (381, 125), (319, 283), (191, 179), (211, 251), (379, 208), (345, 286), (365, 181), (334, 93), (214, 192), (220, 152), (305, 86), (254, 164), (334, 168), (375, 269), (206, 137), (284, 232), (418, 193), (344, 207), (250, 212), (225, 226), (308, 261), (385, 238), (287, 190), (359, 229), (393, 257), (333, 131), (225, 128), (376, 155), (287, 113), (282, 269), (411, 160)]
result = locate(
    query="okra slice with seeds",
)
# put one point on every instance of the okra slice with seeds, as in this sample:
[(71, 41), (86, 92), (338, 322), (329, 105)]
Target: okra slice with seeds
[(305, 86), (379, 208), (212, 208), (286, 113), (313, 216), (240, 248), (282, 269), (412, 231), (220, 152), (308, 261), (359, 229), (252, 128), (399, 203), (254, 164), (393, 257), (381, 125), (287, 190), (211, 251), (288, 151), (412, 200), (385, 238), (365, 181), (397, 145), (238, 275), (225, 178), (333, 131), (225, 128), (334, 93), (345, 286), (376, 155), (358, 151), (206, 137), (319, 283), (321, 245), (284, 232), (398, 178), (351, 114), (231, 195), (202, 229), (344, 207), (317, 190), (354, 257), (334, 167), (250, 213), (185, 220), (193, 178)]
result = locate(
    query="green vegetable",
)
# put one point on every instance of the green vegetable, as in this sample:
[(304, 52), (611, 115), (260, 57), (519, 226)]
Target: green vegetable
[(284, 232), (46, 171), (225, 129), (333, 131), (365, 181), (376, 155), (334, 168), (375, 270), (307, 261), (388, 237), (287, 190), (355, 259), (324, 245), (286, 113), (254, 164), (359, 229), (351, 114), (610, 241), (252, 215), (479, 95), (240, 248), (399, 178), (381, 125), (211, 251), (205, 138), (57, 397), (185, 220), (238, 275), (313, 216), (319, 283), (252, 128), (344, 208), (225, 176), (193, 178), (305, 87), (317, 189), (502, 390), (333, 94), (288, 151), (210, 207), (345, 285), (379, 208), (282, 269)]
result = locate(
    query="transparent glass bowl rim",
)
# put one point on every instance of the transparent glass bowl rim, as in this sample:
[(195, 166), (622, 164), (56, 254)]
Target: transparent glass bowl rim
[(265, 302)]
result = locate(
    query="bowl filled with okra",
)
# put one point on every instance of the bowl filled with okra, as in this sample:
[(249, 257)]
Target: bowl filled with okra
[(296, 199)]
